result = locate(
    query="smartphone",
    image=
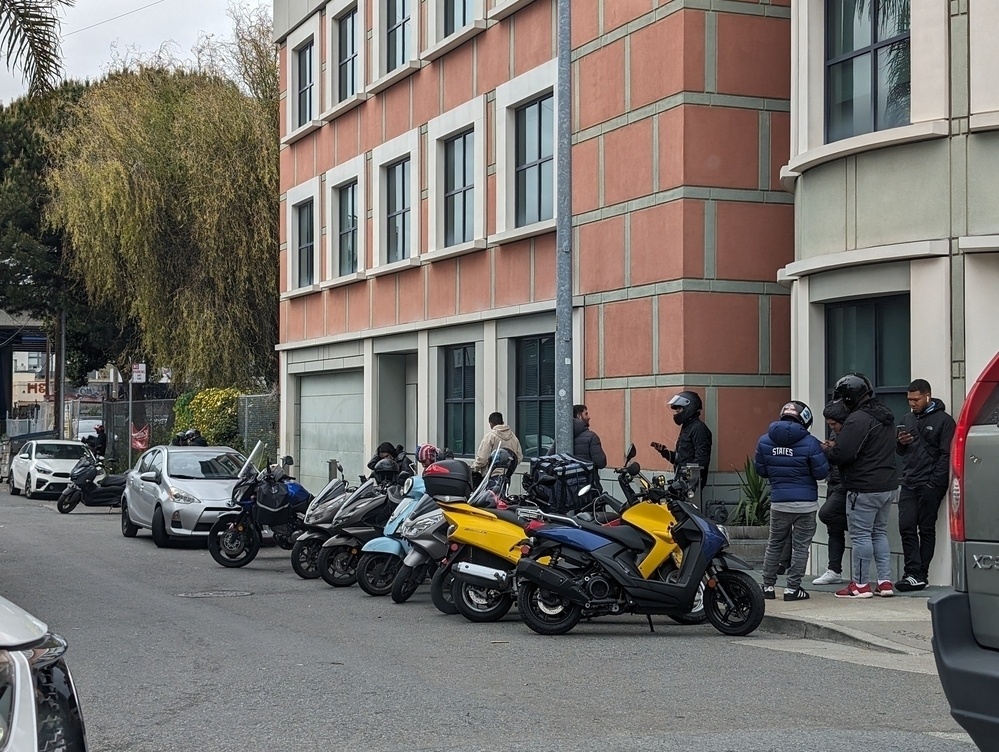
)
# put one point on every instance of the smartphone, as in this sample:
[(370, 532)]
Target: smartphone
[(901, 429)]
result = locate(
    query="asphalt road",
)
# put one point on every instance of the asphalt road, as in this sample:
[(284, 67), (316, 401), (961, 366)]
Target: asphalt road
[(273, 662)]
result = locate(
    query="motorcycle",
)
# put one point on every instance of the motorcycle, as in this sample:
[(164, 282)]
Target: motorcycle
[(265, 498), (595, 570), (92, 484), (316, 527), (426, 534), (381, 557)]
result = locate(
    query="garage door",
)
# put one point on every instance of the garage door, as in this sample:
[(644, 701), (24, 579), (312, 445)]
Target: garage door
[(331, 424)]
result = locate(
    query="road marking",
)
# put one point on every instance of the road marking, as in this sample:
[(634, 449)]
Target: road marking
[(916, 664)]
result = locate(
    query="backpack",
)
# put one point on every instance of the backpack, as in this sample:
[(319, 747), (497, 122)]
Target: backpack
[(554, 481)]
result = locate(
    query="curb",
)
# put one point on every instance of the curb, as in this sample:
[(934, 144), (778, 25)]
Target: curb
[(791, 626)]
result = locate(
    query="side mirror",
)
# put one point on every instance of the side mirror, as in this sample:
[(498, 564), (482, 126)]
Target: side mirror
[(547, 480), (631, 453), (149, 477), (287, 461), (585, 490)]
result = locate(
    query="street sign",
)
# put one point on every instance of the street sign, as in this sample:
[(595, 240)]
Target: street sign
[(138, 373)]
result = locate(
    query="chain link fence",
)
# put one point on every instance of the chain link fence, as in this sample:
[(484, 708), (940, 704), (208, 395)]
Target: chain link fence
[(153, 422), (258, 416)]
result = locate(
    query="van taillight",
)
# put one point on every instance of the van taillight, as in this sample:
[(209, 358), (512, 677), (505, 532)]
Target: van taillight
[(981, 393)]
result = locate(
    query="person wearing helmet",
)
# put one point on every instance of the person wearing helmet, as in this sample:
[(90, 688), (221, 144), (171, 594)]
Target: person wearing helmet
[(386, 451), (194, 438), (864, 452), (833, 512), (693, 445), (426, 455), (180, 439), (100, 441), (793, 460)]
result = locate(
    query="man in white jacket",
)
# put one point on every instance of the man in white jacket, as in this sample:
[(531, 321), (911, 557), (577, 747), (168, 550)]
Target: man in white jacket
[(498, 435)]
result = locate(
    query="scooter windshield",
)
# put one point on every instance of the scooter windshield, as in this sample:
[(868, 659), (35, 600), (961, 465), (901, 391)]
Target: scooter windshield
[(253, 462)]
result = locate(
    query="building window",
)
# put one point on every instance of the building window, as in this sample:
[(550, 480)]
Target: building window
[(304, 84), (347, 228), (347, 55), (867, 66), (536, 394), (459, 399), (871, 337), (397, 33), (397, 205), (535, 162), (305, 243), (459, 189), (457, 15)]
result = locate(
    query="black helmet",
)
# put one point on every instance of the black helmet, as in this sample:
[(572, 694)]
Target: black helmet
[(386, 470), (852, 389), (797, 411), (689, 404)]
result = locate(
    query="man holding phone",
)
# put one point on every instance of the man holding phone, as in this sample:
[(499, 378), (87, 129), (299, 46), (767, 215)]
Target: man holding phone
[(923, 441)]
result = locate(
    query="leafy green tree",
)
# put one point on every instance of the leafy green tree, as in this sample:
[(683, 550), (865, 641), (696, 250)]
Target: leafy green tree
[(29, 40), (166, 189)]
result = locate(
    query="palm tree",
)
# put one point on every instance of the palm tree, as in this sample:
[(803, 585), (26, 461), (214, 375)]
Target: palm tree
[(29, 39)]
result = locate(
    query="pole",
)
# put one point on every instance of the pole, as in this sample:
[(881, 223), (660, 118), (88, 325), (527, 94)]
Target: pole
[(128, 428), (563, 235), (62, 375)]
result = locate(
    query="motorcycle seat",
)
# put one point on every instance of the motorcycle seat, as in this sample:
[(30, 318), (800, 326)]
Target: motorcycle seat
[(623, 534), (111, 481), (395, 495), (508, 516)]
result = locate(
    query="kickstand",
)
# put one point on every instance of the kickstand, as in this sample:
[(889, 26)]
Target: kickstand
[(649, 617)]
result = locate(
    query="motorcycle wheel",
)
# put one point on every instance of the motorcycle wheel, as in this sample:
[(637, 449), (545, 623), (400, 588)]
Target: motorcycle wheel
[(338, 566), (376, 572), (480, 604), (67, 504), (406, 582), (442, 592), (230, 547), (305, 558), (128, 529), (735, 605), (545, 612), (670, 573)]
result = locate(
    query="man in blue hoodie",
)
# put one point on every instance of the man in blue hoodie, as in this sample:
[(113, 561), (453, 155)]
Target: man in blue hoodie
[(794, 462)]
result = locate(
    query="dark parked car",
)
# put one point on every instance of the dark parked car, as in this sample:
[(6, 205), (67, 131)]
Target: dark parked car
[(966, 619)]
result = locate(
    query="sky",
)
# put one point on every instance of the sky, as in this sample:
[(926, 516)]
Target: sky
[(87, 52)]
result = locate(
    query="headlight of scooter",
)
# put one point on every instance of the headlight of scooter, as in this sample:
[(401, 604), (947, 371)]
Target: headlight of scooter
[(417, 527), (724, 531), (320, 512)]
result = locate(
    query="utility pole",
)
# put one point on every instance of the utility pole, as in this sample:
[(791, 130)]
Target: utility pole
[(563, 234)]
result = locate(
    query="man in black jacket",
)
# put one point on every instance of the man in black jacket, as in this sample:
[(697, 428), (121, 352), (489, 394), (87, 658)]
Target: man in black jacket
[(924, 439), (864, 451), (586, 444), (693, 445)]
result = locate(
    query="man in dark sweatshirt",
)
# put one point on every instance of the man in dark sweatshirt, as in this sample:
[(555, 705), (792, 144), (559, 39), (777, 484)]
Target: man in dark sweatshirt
[(693, 445), (864, 451), (924, 438)]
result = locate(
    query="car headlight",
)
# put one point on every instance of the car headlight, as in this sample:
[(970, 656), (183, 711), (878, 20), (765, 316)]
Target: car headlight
[(44, 469), (183, 497)]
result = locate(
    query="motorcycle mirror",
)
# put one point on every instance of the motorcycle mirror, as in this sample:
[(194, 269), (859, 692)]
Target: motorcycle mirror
[(634, 469), (547, 480), (287, 461), (631, 453), (584, 490)]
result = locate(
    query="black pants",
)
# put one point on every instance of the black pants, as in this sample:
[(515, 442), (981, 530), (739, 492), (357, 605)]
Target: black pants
[(833, 516), (917, 526)]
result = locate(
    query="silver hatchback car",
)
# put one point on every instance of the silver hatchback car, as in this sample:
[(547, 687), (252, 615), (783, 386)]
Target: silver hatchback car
[(179, 491)]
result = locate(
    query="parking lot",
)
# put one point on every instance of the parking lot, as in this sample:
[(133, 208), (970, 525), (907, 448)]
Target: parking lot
[(172, 651)]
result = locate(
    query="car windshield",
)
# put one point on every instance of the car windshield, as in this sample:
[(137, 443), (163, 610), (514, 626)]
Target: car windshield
[(207, 465), (60, 451)]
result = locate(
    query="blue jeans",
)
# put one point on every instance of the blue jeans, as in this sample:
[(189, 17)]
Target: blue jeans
[(867, 518)]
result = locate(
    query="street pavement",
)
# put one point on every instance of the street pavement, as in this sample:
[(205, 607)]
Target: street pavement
[(171, 651)]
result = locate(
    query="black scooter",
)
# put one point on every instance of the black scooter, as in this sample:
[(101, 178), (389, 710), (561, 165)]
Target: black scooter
[(84, 488)]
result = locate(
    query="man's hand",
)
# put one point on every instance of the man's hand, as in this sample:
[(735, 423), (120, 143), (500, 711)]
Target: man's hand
[(829, 444), (905, 438), (661, 448)]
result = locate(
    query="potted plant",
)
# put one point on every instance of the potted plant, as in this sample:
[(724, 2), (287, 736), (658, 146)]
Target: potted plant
[(749, 525)]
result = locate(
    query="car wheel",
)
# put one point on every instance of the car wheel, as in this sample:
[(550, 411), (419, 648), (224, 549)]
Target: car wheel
[(28, 492), (128, 528), (14, 490), (160, 535)]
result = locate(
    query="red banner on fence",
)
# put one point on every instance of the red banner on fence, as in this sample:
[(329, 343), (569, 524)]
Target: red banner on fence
[(140, 438)]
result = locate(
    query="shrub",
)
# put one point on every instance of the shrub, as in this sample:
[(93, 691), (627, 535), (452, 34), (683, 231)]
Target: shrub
[(754, 498), (182, 416), (213, 412)]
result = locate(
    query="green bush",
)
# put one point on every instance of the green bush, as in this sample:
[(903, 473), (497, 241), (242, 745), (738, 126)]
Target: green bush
[(183, 418), (754, 498), (213, 412)]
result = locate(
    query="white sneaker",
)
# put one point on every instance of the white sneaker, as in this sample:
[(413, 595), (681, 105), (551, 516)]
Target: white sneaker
[(829, 578)]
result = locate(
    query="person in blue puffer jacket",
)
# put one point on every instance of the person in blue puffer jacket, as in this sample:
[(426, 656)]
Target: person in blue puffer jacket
[(794, 462)]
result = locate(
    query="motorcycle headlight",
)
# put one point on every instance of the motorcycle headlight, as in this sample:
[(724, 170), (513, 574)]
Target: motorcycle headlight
[(44, 469), (320, 511), (724, 531), (183, 497), (416, 527)]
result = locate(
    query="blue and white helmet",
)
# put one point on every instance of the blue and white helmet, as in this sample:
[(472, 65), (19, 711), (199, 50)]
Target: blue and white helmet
[(797, 411)]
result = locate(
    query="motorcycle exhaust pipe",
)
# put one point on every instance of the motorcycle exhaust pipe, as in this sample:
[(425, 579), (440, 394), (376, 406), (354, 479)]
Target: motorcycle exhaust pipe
[(475, 574), (551, 579)]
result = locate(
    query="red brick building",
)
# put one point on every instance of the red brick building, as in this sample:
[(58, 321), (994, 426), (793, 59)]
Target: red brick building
[(418, 240)]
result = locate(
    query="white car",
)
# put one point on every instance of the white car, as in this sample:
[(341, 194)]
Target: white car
[(42, 466), (179, 491), (39, 707)]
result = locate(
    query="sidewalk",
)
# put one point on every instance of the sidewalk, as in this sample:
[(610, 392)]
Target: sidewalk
[(900, 624)]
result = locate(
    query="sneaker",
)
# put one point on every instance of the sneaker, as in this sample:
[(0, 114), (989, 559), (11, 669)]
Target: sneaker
[(768, 592), (853, 590), (909, 583), (829, 578), (797, 594), (884, 589)]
